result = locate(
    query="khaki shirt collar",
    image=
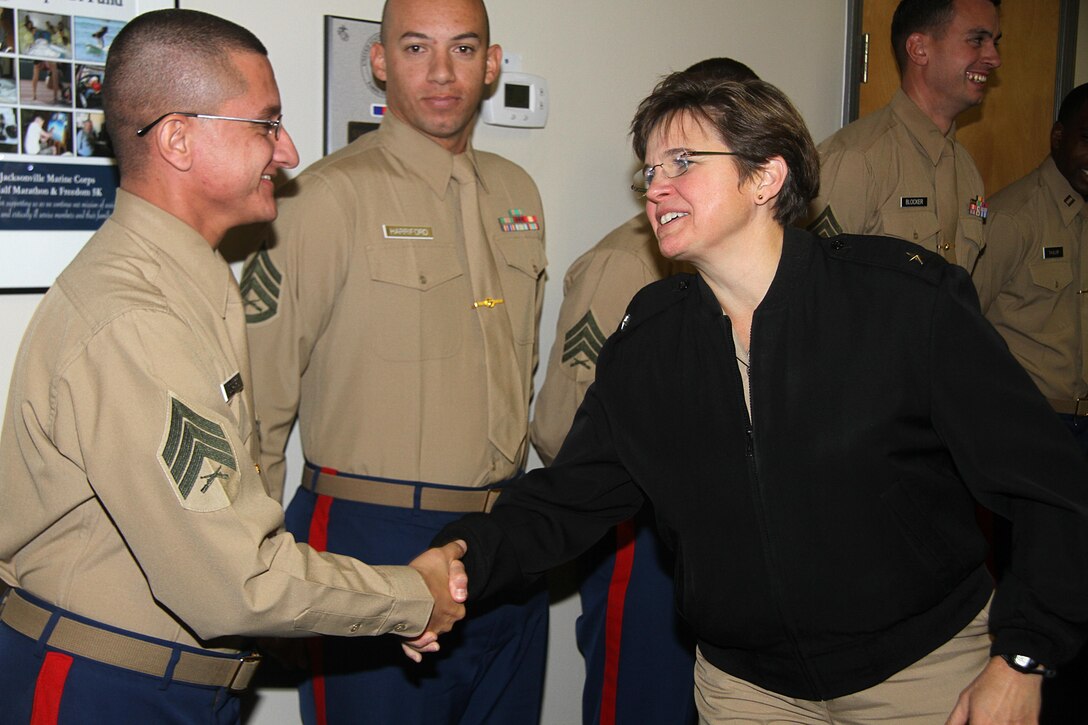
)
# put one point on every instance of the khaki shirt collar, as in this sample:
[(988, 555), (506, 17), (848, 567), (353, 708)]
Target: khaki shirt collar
[(924, 132), (1068, 201), (422, 156), (206, 270)]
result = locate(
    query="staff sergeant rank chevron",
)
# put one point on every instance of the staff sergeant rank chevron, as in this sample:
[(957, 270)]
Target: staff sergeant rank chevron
[(198, 459), (260, 287), (583, 341)]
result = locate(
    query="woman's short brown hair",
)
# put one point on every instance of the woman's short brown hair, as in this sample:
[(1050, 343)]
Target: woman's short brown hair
[(753, 118)]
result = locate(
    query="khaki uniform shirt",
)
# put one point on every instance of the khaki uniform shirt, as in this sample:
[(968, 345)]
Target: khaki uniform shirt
[(126, 461), (1032, 277), (878, 176), (360, 312), (596, 290)]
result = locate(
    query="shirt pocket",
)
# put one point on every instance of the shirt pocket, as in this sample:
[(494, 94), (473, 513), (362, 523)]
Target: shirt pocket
[(1051, 274), (521, 262), (915, 225), (419, 289)]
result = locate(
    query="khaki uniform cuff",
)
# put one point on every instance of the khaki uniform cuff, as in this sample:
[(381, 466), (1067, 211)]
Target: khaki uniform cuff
[(412, 600)]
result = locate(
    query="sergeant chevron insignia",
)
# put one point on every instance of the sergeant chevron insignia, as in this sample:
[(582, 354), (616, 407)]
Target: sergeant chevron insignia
[(198, 459), (825, 224), (583, 341), (260, 287)]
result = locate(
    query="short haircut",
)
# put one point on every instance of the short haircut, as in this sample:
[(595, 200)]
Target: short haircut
[(385, 16), (919, 16), (722, 69), (169, 60), (754, 118), (1072, 103)]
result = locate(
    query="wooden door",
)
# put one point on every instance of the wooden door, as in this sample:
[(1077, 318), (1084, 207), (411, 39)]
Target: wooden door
[(1009, 134)]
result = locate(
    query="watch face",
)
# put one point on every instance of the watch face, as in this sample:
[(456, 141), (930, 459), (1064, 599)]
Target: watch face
[(1023, 661)]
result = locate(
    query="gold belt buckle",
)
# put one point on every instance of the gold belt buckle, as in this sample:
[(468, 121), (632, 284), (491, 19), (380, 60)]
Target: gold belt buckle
[(247, 667)]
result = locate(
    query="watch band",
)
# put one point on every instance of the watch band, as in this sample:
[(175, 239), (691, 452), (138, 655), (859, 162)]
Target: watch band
[(1028, 666)]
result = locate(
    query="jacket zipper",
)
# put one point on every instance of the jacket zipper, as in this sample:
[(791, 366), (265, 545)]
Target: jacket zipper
[(749, 444), (749, 449)]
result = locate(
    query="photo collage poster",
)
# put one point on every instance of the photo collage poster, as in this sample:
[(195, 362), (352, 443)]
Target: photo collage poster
[(57, 172)]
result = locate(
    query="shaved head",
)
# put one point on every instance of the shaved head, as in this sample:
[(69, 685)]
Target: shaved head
[(169, 60)]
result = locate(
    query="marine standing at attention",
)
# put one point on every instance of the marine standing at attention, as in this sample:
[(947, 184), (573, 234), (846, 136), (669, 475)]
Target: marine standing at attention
[(395, 313)]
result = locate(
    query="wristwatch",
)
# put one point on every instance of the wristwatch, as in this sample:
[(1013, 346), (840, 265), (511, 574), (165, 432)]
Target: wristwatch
[(1028, 666)]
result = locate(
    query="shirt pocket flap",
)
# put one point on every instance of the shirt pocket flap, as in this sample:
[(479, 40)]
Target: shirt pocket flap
[(914, 225), (525, 254), (1053, 274), (417, 266)]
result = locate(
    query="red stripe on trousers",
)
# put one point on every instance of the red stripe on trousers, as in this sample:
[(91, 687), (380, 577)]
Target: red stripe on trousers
[(319, 540), (613, 618), (50, 688)]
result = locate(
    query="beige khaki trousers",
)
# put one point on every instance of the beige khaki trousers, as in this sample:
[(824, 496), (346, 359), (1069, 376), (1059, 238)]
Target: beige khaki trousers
[(922, 694)]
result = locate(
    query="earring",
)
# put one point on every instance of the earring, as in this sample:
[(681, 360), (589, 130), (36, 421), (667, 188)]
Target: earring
[(759, 197)]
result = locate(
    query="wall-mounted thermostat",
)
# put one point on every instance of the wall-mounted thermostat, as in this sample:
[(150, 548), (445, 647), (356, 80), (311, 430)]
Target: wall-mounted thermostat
[(520, 99)]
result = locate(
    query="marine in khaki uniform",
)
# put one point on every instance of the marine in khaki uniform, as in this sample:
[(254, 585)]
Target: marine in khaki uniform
[(136, 530), (900, 171), (395, 311), (1032, 277), (1031, 283), (596, 289), (369, 329)]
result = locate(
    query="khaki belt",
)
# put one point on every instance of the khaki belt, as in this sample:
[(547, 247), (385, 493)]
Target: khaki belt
[(120, 650), (399, 495), (1065, 406)]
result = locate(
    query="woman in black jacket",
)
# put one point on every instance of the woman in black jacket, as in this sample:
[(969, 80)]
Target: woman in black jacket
[(813, 421)]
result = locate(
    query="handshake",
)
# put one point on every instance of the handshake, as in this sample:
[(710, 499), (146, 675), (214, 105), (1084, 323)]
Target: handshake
[(445, 577)]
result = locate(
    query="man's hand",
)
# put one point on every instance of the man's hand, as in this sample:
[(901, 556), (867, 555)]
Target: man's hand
[(445, 577), (999, 695)]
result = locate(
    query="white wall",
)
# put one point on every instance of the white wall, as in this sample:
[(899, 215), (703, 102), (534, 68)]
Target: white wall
[(600, 58)]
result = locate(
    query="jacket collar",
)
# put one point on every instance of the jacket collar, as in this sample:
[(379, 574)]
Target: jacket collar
[(797, 251)]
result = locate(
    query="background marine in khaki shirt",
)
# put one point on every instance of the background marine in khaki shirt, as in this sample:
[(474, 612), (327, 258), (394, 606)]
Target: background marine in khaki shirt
[(370, 334), (899, 171), (395, 312), (1031, 280), (596, 290)]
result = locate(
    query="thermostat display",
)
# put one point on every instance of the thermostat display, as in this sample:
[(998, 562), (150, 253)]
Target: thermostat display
[(520, 100)]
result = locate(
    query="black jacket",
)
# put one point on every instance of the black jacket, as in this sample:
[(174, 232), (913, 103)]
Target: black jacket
[(831, 541)]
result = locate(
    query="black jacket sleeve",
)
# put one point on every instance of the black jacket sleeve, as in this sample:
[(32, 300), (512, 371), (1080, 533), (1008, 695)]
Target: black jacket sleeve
[(550, 515), (1019, 461)]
